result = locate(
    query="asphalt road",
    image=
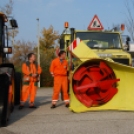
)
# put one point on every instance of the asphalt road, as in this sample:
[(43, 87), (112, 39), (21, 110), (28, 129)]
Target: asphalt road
[(61, 120)]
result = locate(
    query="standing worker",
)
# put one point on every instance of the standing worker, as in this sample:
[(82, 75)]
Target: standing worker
[(31, 72), (58, 70)]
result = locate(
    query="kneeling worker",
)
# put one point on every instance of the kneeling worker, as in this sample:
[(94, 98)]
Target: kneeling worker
[(58, 70), (31, 71)]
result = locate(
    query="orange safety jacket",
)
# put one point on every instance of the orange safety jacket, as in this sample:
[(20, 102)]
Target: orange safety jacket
[(30, 68), (59, 68)]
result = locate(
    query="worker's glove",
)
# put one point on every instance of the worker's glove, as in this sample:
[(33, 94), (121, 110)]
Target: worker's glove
[(52, 74), (34, 75)]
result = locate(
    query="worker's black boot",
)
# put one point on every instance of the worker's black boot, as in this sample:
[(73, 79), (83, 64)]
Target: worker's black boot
[(53, 106)]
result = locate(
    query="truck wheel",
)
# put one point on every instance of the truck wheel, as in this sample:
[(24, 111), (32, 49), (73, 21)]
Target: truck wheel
[(4, 123), (18, 86), (12, 108), (5, 102)]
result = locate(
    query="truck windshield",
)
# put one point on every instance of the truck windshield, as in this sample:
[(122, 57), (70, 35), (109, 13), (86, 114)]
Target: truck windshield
[(100, 40)]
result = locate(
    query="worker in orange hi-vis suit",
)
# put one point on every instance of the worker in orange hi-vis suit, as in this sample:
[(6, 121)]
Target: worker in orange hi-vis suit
[(58, 70), (31, 71)]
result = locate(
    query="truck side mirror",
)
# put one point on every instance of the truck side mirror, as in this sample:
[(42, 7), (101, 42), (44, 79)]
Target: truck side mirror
[(128, 39), (62, 44), (13, 23), (128, 43)]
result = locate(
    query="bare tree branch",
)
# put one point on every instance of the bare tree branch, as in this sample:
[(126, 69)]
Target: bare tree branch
[(8, 8), (130, 17)]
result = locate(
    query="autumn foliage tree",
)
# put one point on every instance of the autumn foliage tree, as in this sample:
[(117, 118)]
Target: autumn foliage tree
[(20, 52), (48, 43)]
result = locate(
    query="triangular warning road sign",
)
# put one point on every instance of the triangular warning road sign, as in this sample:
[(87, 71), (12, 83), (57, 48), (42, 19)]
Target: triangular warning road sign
[(95, 24)]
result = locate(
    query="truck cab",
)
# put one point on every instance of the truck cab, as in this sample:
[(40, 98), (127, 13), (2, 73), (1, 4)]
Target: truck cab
[(106, 44)]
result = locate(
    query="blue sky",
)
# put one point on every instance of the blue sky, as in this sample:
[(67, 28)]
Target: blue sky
[(78, 13)]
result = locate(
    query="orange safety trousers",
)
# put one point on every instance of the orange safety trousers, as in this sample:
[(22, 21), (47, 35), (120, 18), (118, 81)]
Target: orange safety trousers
[(28, 91), (60, 83)]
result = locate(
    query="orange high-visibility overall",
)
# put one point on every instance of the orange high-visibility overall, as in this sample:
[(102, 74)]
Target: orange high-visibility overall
[(59, 70), (29, 88)]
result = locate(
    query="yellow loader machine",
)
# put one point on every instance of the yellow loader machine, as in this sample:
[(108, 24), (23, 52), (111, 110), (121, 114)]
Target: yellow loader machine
[(9, 80), (101, 76)]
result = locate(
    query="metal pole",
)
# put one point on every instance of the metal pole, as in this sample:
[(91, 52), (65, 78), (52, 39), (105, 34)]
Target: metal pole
[(13, 38), (38, 47), (7, 42)]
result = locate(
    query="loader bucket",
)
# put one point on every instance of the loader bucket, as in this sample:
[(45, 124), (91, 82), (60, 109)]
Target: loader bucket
[(99, 84)]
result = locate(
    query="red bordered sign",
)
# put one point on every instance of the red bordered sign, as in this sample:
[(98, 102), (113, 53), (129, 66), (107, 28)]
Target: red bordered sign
[(95, 24)]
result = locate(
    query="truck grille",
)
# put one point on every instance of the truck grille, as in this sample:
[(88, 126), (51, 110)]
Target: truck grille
[(123, 61)]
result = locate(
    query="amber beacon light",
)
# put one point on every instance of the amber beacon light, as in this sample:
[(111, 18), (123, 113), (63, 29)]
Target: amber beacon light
[(66, 24), (122, 27)]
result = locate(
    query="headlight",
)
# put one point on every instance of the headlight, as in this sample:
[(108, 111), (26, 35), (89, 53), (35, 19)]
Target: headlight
[(7, 50)]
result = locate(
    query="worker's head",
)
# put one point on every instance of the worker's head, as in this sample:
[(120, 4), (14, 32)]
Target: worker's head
[(31, 57), (62, 54)]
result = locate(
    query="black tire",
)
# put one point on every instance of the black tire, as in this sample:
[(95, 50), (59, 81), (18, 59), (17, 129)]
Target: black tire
[(5, 104), (18, 85), (10, 65), (6, 92), (4, 123), (12, 108)]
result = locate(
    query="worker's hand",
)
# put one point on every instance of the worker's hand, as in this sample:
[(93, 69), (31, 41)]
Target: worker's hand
[(34, 75), (52, 74)]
